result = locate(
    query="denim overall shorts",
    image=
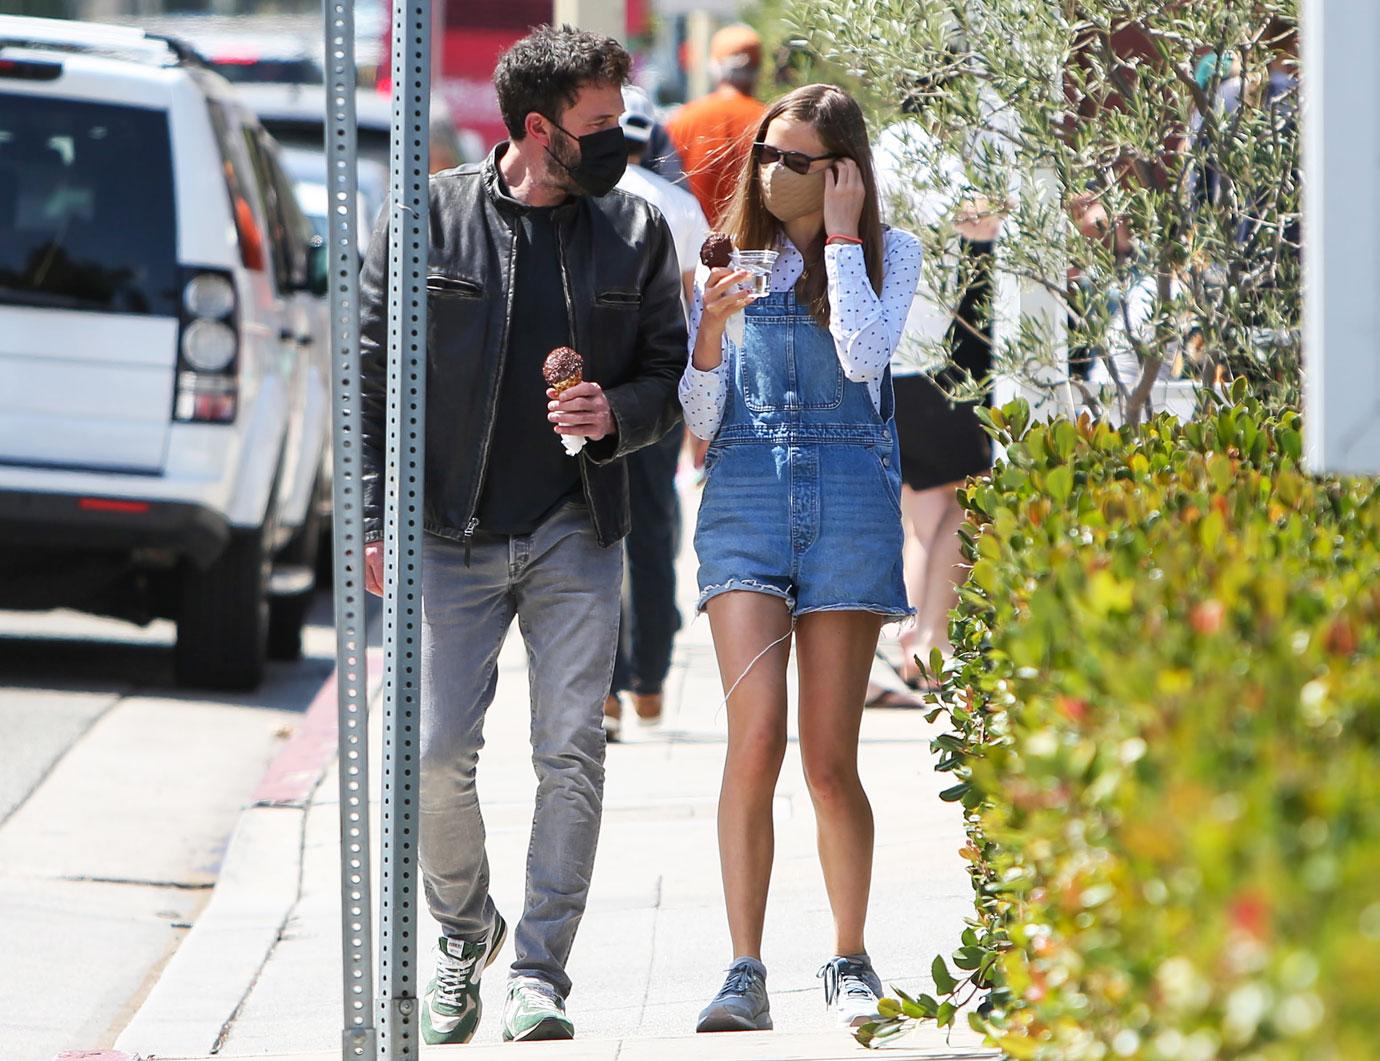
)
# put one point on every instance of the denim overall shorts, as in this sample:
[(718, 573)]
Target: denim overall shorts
[(802, 498)]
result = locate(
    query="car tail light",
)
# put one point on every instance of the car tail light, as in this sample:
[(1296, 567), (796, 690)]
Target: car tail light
[(208, 384), (110, 504)]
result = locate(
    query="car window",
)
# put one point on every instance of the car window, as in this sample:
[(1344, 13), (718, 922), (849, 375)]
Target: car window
[(87, 206), (282, 238), (240, 187), (297, 228)]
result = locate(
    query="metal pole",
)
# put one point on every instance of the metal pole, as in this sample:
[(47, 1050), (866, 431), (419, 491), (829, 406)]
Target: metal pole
[(352, 680), (407, 261)]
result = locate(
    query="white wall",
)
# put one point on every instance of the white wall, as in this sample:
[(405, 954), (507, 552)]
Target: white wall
[(1341, 210)]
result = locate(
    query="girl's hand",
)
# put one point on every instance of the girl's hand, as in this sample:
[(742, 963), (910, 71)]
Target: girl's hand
[(723, 297), (844, 194)]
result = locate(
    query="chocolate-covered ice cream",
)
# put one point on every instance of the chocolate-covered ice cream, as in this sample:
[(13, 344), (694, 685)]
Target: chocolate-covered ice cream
[(717, 251), (563, 368)]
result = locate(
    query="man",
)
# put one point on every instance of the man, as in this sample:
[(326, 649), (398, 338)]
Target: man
[(530, 250), (650, 619), (714, 134)]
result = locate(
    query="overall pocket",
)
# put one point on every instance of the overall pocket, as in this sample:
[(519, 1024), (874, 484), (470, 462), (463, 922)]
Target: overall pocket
[(788, 364)]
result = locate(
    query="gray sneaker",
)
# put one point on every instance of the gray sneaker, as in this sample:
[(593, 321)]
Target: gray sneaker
[(741, 1004), (851, 989)]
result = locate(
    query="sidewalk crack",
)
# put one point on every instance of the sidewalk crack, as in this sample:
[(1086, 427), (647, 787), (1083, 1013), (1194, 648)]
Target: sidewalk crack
[(651, 956)]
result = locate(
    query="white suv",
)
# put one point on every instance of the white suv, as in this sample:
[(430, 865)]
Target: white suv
[(164, 379)]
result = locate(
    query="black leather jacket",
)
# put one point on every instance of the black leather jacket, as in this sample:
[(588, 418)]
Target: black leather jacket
[(623, 295)]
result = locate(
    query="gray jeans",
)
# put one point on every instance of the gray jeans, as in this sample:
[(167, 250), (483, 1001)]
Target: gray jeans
[(564, 590)]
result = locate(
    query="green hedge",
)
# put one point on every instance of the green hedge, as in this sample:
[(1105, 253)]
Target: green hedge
[(1165, 730)]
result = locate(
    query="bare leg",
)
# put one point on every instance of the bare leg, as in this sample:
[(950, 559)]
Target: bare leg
[(744, 624), (931, 518), (833, 657)]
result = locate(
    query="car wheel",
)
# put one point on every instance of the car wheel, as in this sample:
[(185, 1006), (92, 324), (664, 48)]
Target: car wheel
[(222, 617)]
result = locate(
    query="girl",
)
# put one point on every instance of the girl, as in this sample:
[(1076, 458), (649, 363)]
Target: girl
[(800, 526)]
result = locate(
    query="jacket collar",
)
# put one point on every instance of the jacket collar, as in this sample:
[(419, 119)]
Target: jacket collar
[(499, 195)]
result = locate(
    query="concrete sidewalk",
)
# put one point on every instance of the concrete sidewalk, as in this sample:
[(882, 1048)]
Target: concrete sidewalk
[(653, 944)]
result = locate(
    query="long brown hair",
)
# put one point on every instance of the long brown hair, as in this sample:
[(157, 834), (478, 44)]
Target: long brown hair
[(838, 122)]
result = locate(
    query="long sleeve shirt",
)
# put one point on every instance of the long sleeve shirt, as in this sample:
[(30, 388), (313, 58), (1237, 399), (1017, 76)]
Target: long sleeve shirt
[(865, 326)]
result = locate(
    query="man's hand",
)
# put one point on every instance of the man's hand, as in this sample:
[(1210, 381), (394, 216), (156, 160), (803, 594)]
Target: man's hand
[(373, 568), (581, 410)]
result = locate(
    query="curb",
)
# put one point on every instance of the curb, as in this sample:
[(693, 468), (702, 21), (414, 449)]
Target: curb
[(201, 988)]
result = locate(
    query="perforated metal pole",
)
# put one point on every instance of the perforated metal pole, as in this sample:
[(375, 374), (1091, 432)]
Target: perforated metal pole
[(352, 680), (407, 261)]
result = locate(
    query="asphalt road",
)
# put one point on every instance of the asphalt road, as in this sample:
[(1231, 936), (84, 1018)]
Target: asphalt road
[(118, 792)]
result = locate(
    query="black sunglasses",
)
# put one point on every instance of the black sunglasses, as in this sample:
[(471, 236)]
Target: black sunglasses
[(796, 161)]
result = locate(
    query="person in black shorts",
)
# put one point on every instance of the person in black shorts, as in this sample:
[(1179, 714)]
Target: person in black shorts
[(942, 444)]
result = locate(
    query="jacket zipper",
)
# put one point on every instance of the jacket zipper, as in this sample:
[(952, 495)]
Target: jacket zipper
[(473, 521), (575, 342)]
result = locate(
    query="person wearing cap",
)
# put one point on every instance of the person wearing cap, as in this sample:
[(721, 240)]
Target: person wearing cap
[(680, 208), (650, 620), (714, 133), (657, 153)]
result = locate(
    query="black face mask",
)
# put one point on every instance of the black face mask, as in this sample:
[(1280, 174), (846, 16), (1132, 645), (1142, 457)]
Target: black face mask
[(603, 159)]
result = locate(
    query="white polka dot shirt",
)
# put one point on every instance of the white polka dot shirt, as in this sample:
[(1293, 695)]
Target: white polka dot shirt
[(866, 326)]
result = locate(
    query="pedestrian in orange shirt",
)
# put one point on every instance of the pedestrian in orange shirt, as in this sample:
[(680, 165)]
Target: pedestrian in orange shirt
[(714, 133)]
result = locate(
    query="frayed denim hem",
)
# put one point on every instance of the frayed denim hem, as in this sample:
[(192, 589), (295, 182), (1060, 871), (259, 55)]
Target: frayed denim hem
[(893, 614), (748, 584)]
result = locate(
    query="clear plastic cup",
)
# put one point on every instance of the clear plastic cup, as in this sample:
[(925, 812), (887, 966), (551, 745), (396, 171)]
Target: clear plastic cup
[(759, 264)]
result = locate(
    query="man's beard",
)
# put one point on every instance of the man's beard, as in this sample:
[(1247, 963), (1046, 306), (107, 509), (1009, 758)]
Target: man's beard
[(556, 173)]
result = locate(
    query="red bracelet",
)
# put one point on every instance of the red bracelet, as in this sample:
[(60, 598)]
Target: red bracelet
[(843, 239)]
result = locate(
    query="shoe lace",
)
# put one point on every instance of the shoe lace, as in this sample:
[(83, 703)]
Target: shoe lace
[(534, 993), (740, 981), (453, 976), (845, 976)]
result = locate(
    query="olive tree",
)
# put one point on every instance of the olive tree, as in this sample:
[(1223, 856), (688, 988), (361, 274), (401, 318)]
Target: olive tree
[(1143, 155)]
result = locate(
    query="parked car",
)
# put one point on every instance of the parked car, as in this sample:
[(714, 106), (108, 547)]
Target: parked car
[(308, 172), (296, 116), (164, 391), (261, 59)]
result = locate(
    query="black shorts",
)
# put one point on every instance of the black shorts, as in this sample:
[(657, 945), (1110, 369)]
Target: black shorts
[(942, 441)]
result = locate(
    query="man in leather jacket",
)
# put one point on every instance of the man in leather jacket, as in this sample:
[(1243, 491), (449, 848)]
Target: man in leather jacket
[(530, 250)]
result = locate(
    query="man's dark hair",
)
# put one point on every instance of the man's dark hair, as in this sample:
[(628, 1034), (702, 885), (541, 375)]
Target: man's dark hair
[(545, 71)]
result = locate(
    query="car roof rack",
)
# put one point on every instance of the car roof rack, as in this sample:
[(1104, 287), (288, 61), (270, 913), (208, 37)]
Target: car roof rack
[(91, 38)]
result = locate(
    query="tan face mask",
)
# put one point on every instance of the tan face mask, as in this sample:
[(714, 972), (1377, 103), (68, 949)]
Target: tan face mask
[(789, 196)]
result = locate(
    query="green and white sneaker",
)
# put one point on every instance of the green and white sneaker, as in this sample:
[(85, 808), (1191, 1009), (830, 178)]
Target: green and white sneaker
[(450, 1007), (534, 1011)]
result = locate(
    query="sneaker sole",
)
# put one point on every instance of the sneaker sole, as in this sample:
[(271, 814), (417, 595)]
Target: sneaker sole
[(733, 1022), (543, 1031)]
